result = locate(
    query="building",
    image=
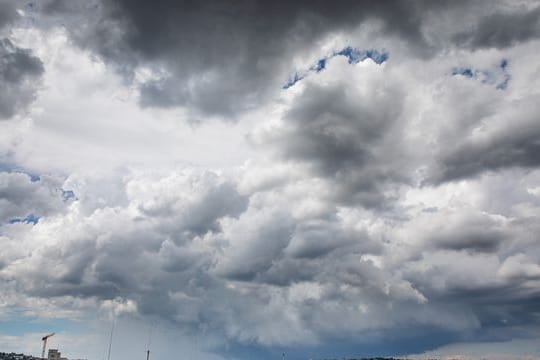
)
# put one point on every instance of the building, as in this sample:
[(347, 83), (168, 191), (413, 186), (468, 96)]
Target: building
[(54, 354)]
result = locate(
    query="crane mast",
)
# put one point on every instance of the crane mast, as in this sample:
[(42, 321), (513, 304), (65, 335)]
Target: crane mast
[(44, 339)]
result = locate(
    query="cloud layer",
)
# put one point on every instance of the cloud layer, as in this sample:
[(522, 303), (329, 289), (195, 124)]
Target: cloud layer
[(154, 169)]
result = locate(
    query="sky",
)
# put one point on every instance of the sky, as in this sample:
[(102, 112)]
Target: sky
[(217, 180)]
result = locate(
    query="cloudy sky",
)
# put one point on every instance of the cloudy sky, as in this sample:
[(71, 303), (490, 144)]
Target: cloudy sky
[(241, 179)]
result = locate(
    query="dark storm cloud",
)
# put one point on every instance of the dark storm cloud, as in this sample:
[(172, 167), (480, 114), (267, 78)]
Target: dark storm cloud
[(466, 231), (334, 130), (222, 57), (8, 13), (225, 57), (348, 138), (501, 30), (517, 150), (20, 74), (513, 145), (480, 240)]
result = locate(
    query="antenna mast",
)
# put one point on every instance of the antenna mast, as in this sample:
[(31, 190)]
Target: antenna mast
[(149, 341), (110, 341)]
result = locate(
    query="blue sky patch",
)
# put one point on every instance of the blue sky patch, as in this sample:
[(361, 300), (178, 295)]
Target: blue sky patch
[(320, 66), (67, 194), (18, 324), (467, 72), (353, 55), (7, 166), (29, 219), (293, 80), (497, 77)]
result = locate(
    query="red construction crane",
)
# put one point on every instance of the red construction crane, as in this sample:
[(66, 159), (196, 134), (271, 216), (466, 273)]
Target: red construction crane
[(44, 339)]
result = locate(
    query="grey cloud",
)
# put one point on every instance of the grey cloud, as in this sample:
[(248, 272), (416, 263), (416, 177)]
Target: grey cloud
[(334, 129), (472, 232), (494, 247), (177, 259), (66, 7), (224, 200), (221, 58), (512, 151), (305, 255), (504, 146), (271, 278), (473, 262), (109, 253), (314, 241), (202, 215), (502, 30), (276, 248), (20, 74), (254, 247), (495, 303), (8, 13), (348, 138), (465, 232), (288, 270), (103, 254), (318, 238), (520, 267), (20, 196), (476, 240)]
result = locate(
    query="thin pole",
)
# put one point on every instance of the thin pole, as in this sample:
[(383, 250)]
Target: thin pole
[(110, 341), (149, 341)]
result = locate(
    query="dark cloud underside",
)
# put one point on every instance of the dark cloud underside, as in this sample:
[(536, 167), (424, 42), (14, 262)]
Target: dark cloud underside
[(221, 57), (20, 73)]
